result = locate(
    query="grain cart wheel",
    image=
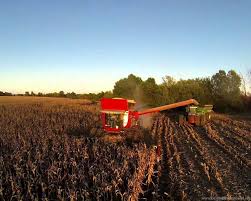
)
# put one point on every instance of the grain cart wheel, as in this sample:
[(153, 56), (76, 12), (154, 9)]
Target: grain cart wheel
[(197, 120), (191, 118), (208, 116), (202, 119)]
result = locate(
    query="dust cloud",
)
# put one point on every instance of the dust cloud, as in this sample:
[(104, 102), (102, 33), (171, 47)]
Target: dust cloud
[(147, 119)]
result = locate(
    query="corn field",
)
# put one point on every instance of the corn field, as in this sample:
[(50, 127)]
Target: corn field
[(48, 153)]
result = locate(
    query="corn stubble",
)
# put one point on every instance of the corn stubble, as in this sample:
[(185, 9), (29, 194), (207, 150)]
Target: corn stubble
[(48, 153)]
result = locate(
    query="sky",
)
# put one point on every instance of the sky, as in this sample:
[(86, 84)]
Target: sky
[(87, 45)]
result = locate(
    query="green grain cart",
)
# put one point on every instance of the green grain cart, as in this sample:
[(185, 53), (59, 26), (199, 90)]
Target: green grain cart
[(196, 115)]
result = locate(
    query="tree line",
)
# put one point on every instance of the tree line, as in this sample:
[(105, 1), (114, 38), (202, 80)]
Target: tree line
[(62, 94), (223, 90), (5, 93)]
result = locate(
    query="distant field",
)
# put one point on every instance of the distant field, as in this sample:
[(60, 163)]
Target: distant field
[(31, 100), (47, 152)]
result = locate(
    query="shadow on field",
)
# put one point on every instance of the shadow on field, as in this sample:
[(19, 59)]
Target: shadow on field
[(80, 131), (139, 135), (130, 137)]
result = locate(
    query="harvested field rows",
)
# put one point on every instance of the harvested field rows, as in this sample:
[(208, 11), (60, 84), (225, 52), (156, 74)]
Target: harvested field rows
[(209, 161), (48, 153)]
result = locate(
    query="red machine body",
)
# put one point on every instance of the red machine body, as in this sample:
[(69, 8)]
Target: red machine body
[(118, 113)]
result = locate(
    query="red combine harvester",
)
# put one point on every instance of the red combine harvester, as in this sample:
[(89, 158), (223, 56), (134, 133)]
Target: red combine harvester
[(118, 114)]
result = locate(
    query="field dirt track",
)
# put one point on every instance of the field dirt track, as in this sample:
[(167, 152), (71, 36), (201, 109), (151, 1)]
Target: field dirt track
[(47, 152)]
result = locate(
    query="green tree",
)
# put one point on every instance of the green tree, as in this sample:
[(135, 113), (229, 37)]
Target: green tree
[(108, 94), (187, 89), (167, 90), (7, 94), (226, 90), (206, 97), (249, 78), (169, 81), (151, 92), (71, 95), (128, 87), (174, 91), (61, 94)]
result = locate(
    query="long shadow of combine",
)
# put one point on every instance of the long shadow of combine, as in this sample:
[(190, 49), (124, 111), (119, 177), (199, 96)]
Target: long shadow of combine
[(80, 131)]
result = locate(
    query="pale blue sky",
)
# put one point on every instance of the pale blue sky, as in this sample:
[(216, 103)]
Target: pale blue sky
[(85, 46)]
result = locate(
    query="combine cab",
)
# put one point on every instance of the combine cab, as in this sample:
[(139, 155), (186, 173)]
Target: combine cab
[(118, 114)]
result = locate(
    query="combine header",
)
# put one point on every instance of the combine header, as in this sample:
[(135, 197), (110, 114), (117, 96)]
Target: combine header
[(118, 114)]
